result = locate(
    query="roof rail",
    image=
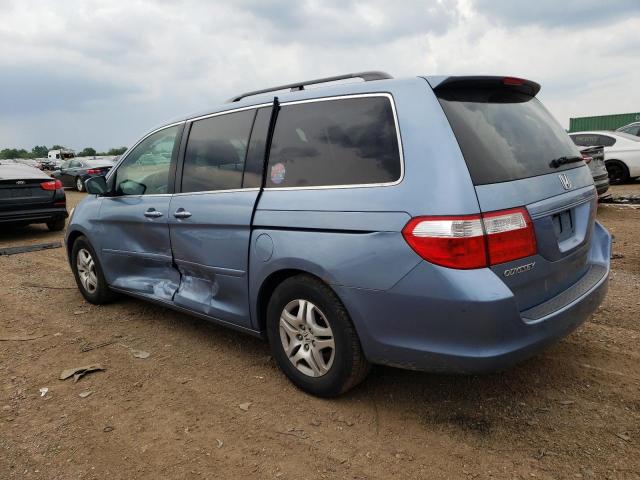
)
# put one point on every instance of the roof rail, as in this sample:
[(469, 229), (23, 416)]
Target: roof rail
[(366, 76)]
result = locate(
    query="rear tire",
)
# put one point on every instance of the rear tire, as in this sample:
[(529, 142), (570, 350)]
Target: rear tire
[(313, 339), (618, 172), (88, 273), (56, 225), (79, 184)]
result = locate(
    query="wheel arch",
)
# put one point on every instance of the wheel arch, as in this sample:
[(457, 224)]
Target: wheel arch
[(71, 239), (271, 282), (622, 164)]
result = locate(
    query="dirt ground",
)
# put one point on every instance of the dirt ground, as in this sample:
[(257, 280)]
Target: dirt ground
[(571, 412)]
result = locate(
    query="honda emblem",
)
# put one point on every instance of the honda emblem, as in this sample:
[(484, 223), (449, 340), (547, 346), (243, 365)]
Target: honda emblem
[(564, 180)]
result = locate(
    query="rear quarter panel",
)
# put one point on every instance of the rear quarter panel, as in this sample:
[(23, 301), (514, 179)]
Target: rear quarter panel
[(352, 236)]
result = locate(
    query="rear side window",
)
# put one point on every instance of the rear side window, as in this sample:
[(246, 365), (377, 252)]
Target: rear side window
[(350, 141), (505, 135), (586, 140), (606, 141), (257, 146), (216, 151)]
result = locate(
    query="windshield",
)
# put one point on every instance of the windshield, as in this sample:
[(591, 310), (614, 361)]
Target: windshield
[(506, 135), (628, 136)]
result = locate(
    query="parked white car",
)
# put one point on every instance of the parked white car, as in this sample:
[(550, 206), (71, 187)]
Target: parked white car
[(621, 152)]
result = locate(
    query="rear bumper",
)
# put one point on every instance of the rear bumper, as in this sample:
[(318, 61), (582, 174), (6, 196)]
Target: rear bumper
[(36, 215), (446, 320)]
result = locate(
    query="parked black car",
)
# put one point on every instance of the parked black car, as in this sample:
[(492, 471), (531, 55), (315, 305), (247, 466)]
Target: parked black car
[(76, 171), (27, 195)]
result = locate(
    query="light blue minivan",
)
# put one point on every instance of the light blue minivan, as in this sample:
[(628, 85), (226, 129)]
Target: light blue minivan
[(435, 223)]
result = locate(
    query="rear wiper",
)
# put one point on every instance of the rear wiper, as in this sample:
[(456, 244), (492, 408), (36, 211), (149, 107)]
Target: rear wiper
[(558, 162)]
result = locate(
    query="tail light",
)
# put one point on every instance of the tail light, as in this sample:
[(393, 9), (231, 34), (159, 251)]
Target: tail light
[(586, 158), (94, 171), (51, 185), (513, 81), (472, 241)]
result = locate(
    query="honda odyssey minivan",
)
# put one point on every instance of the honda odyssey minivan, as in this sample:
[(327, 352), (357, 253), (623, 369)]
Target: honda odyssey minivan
[(436, 223)]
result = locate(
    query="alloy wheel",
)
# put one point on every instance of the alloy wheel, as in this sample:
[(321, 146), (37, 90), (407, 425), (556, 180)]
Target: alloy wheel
[(307, 338), (87, 271)]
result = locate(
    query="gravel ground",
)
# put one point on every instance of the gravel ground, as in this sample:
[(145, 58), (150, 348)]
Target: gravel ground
[(210, 403)]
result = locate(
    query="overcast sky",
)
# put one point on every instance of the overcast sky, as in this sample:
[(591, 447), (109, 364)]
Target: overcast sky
[(100, 73)]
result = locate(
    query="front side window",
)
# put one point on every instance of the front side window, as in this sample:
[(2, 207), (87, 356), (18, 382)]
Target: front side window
[(216, 151), (350, 141), (145, 171)]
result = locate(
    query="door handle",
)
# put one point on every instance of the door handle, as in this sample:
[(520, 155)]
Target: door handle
[(182, 213), (152, 213)]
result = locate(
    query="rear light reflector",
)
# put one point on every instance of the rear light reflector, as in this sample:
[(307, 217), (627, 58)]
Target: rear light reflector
[(472, 241), (93, 171), (509, 235), (51, 185)]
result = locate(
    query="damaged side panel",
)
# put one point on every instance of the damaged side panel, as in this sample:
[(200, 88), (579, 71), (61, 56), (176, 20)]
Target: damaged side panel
[(215, 292)]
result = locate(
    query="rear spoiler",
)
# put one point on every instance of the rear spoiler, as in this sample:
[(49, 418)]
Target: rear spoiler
[(520, 85)]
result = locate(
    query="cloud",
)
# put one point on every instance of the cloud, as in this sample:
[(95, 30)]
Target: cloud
[(39, 90), (557, 14), (100, 73)]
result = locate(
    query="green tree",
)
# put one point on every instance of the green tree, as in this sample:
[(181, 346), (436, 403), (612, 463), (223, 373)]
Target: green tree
[(117, 151), (39, 151), (87, 152), (57, 147), (9, 153)]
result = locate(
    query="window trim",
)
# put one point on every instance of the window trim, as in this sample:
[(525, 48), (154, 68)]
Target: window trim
[(389, 97), (124, 156)]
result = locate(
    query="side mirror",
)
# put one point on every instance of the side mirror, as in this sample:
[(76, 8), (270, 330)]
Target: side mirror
[(96, 185)]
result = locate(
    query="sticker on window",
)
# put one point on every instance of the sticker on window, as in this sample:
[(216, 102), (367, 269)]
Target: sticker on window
[(277, 173)]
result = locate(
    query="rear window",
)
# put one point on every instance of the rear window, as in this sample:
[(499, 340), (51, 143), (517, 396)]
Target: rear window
[(505, 135), (349, 141)]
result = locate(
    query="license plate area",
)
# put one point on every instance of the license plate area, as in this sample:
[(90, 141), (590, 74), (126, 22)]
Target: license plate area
[(563, 225)]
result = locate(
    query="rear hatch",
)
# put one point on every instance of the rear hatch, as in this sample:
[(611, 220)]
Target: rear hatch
[(24, 194), (519, 156), (21, 187), (95, 168)]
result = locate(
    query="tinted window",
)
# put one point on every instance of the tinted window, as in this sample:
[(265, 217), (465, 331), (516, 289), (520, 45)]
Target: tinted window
[(606, 140), (631, 129), (74, 164), (255, 154), (145, 171), (334, 142), (586, 140), (216, 152), (505, 135)]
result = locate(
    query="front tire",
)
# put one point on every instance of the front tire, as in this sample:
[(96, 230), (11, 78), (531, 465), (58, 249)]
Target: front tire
[(79, 184), (88, 273), (618, 172), (313, 339)]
